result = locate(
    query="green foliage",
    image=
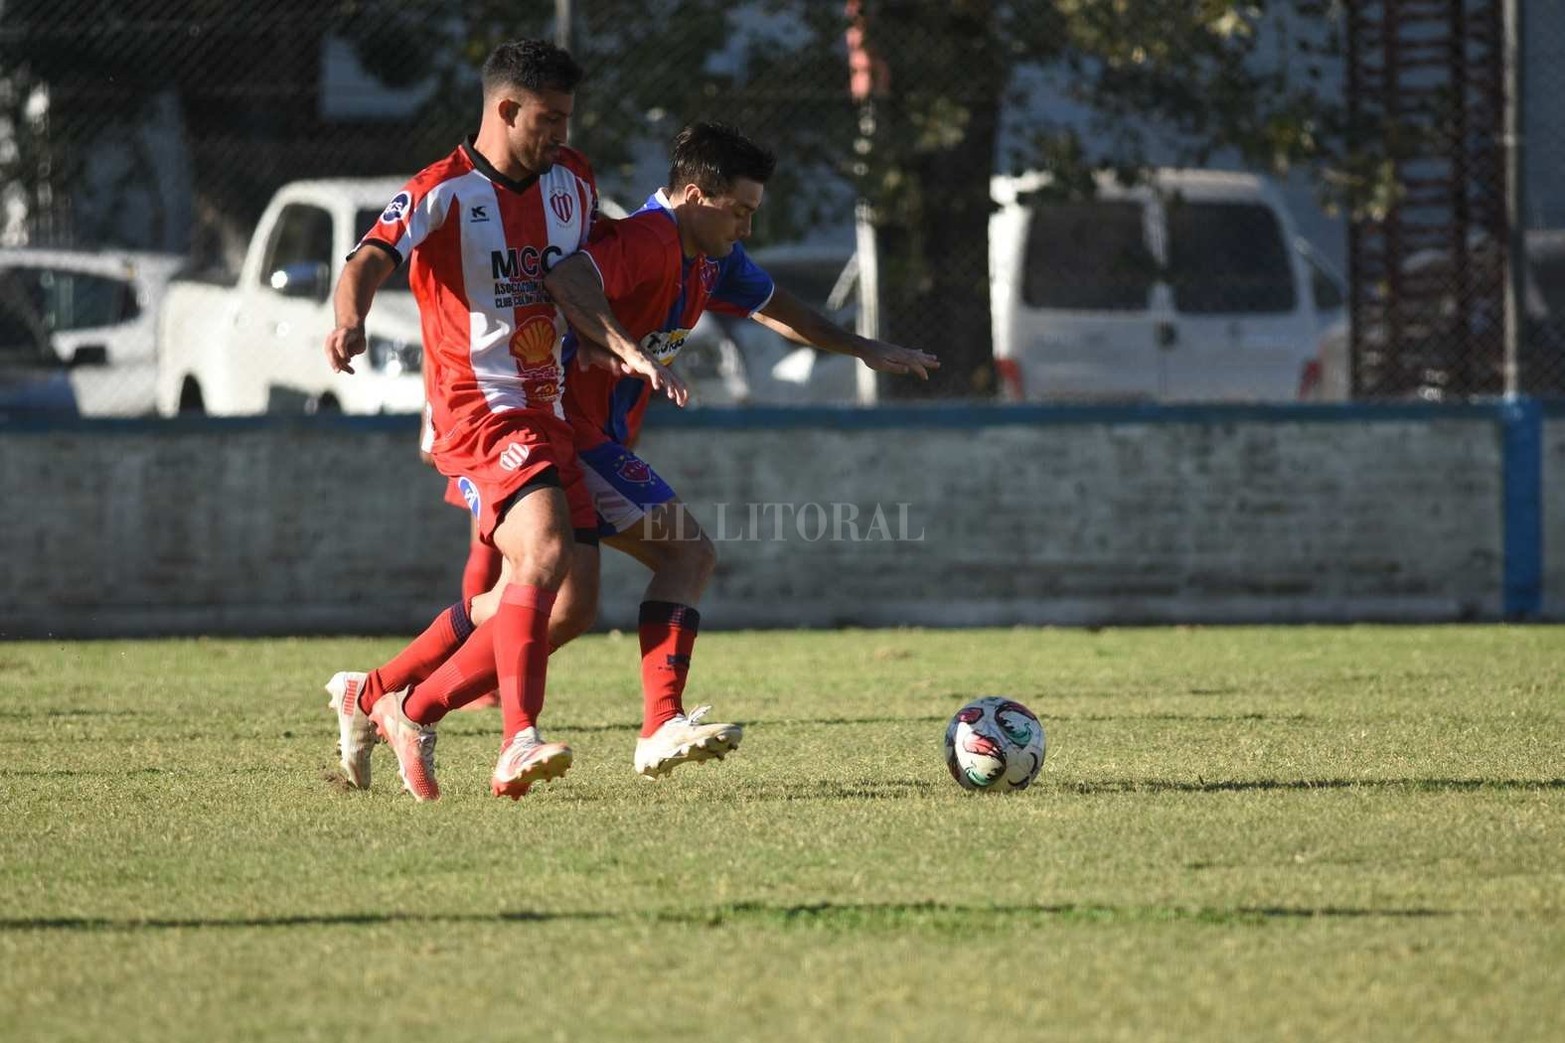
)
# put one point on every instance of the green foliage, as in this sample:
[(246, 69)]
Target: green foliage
[(1282, 834)]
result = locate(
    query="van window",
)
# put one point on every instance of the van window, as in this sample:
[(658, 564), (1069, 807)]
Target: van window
[(1228, 258), (302, 235), (1088, 256)]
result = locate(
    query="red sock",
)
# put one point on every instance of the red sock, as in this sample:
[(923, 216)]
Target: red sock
[(466, 675), (418, 660), (481, 570), (522, 655), (668, 634)]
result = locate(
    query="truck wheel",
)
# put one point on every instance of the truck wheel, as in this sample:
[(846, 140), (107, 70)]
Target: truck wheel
[(190, 401)]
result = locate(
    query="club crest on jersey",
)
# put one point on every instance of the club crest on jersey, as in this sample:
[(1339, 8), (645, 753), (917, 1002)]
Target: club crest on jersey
[(396, 209), (563, 205), (633, 469), (708, 274), (513, 456), (470, 494), (664, 345)]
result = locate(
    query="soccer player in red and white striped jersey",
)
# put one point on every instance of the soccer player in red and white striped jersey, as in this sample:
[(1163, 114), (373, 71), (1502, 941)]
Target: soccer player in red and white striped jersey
[(479, 229)]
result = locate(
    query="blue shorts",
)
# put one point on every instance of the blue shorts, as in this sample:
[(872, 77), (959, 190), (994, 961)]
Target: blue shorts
[(623, 487)]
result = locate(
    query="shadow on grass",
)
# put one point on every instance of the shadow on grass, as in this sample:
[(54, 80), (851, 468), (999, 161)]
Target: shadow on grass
[(825, 915), (1262, 785)]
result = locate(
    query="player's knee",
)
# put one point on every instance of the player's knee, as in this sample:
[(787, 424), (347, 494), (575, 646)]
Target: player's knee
[(573, 616)]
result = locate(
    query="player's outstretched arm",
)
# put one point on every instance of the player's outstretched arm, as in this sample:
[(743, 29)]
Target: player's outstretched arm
[(799, 322), (578, 290), (361, 278)]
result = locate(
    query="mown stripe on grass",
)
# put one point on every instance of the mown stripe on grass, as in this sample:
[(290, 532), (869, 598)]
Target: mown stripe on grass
[(824, 915), (1200, 785)]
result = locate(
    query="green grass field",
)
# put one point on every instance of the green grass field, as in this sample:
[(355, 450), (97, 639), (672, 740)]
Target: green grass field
[(1259, 834)]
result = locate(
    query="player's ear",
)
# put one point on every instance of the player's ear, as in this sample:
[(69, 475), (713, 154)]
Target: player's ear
[(509, 109), (691, 193)]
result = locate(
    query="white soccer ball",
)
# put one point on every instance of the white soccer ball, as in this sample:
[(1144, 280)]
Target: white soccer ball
[(994, 744)]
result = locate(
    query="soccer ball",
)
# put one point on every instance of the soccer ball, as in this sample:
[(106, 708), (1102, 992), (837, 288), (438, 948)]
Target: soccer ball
[(994, 744)]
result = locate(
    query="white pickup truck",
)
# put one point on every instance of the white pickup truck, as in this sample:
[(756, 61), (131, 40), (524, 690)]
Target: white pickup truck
[(257, 345)]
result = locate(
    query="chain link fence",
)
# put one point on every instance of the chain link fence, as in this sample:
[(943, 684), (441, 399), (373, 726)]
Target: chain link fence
[(164, 164)]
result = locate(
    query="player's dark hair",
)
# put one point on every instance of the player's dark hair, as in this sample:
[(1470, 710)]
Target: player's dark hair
[(712, 156), (534, 65)]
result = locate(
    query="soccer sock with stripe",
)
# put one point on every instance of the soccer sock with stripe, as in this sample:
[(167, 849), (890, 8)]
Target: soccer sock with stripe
[(466, 675), (439, 641), (668, 635)]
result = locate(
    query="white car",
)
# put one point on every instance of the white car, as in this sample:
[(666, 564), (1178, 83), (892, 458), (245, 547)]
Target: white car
[(1183, 289), (99, 310), (257, 346), (728, 360)]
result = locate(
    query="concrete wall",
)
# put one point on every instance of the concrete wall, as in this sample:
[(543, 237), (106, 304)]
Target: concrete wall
[(1554, 517), (1012, 516)]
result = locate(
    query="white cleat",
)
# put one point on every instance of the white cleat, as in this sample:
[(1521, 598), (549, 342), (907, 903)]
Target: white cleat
[(527, 759), (685, 739), (414, 745), (355, 730)]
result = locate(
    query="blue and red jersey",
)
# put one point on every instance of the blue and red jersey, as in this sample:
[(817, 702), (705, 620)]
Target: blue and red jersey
[(657, 294)]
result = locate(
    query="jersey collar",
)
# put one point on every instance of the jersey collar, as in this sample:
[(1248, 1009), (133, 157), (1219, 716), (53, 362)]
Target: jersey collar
[(486, 168)]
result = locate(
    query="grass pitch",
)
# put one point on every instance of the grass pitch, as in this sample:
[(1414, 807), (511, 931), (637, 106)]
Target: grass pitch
[(1269, 834)]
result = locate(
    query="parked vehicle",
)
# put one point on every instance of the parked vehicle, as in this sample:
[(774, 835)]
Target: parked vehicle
[(1184, 289), (1445, 350), (729, 360), (255, 345), (33, 379), (98, 311)]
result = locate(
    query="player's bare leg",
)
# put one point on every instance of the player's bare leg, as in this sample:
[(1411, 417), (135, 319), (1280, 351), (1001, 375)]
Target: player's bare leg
[(535, 537), (670, 542), (575, 605)]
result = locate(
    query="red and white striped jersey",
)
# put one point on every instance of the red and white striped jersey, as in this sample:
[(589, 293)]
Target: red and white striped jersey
[(478, 245)]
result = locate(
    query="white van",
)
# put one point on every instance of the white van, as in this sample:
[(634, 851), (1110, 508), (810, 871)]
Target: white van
[(1188, 288)]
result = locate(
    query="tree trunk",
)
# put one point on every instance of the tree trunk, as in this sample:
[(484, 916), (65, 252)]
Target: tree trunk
[(933, 149)]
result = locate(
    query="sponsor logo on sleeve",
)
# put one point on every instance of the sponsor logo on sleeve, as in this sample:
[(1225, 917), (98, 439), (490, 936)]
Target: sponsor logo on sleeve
[(396, 209), (470, 494)]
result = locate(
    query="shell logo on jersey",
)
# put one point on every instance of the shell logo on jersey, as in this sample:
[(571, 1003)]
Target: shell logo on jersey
[(396, 208), (533, 342), (470, 494), (633, 469), (513, 456), (664, 345), (563, 205)]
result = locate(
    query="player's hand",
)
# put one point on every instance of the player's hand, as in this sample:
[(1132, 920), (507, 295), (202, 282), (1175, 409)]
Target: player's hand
[(892, 358), (591, 354), (342, 344), (663, 379)]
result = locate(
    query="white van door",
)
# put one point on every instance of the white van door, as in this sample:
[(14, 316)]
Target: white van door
[(1243, 325), (285, 312), (1082, 328)]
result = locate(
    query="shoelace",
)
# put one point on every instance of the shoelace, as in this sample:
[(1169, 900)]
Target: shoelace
[(426, 745), (694, 716)]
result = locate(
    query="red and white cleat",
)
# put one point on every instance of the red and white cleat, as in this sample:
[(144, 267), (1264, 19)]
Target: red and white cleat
[(414, 745), (527, 759), (355, 730)]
